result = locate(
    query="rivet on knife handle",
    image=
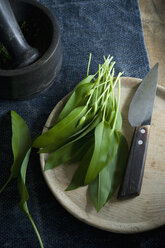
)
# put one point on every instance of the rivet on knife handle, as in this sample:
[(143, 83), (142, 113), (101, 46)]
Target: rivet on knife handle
[(131, 185)]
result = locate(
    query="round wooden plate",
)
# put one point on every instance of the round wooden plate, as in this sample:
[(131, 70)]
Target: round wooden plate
[(141, 213)]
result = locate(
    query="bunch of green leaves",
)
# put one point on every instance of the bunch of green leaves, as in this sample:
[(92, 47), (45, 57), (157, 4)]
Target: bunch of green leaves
[(88, 130), (21, 152)]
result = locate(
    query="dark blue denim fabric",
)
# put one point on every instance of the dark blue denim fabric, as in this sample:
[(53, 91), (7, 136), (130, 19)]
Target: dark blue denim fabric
[(102, 27)]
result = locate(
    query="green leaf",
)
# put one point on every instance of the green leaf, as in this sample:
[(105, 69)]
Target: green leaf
[(24, 194), (118, 125), (106, 144), (57, 136), (21, 184), (118, 165), (69, 106), (71, 152), (75, 149), (99, 189), (84, 131), (106, 183), (79, 175), (21, 142), (111, 119), (77, 97), (76, 137), (21, 147), (86, 80)]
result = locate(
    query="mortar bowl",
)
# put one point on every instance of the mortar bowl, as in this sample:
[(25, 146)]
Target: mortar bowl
[(41, 30)]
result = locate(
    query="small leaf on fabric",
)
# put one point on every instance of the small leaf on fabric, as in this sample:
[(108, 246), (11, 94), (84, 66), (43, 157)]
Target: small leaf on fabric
[(21, 142)]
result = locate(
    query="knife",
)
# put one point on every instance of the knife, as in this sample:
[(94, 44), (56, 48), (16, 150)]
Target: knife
[(139, 116)]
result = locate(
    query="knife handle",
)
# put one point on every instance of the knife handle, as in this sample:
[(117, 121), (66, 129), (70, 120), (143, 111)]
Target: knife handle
[(132, 181)]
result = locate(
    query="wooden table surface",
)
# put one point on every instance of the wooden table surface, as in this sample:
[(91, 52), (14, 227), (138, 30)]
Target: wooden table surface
[(153, 19)]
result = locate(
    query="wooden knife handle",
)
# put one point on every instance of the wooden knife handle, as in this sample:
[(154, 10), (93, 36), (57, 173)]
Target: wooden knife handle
[(132, 181)]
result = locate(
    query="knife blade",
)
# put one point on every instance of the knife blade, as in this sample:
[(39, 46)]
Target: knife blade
[(139, 116)]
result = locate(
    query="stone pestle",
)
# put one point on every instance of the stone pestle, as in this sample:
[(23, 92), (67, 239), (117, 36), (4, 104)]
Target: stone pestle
[(13, 39)]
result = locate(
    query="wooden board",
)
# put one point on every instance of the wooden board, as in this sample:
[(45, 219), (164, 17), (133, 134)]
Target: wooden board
[(141, 213), (153, 19)]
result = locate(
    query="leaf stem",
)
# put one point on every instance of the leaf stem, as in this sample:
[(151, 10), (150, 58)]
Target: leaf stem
[(113, 97), (88, 112), (108, 79), (118, 102), (89, 62), (103, 93), (96, 85), (8, 180), (117, 78), (104, 106), (36, 231)]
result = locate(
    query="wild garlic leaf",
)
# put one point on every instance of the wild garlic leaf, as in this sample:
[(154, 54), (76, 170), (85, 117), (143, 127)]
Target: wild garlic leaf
[(21, 184), (89, 128), (99, 189), (74, 138), (81, 151), (77, 97), (79, 175), (118, 125), (21, 142), (118, 165), (21, 147), (106, 183), (92, 123), (111, 118), (24, 194), (75, 149), (71, 152), (86, 80), (106, 144), (57, 136), (69, 106)]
